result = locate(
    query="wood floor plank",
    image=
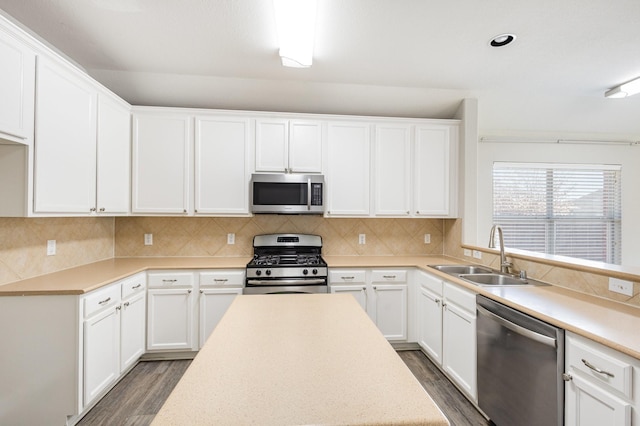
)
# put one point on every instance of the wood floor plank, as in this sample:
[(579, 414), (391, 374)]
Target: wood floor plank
[(139, 395)]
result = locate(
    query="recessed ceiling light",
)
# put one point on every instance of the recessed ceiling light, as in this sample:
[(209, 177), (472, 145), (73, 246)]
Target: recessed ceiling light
[(502, 40)]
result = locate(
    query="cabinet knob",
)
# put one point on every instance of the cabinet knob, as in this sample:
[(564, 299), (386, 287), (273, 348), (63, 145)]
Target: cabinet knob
[(102, 209), (184, 211), (126, 304), (201, 291), (92, 209), (418, 212), (189, 291)]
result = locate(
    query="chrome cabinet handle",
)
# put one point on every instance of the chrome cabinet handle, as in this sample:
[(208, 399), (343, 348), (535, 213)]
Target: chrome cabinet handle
[(169, 281), (102, 302), (102, 209), (92, 209), (389, 277), (189, 291), (201, 291), (220, 280), (596, 369), (136, 286), (347, 278)]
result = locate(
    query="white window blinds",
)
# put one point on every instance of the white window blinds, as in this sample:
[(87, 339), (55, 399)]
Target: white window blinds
[(568, 210)]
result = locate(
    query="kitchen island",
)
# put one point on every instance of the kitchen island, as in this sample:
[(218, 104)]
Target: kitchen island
[(298, 359)]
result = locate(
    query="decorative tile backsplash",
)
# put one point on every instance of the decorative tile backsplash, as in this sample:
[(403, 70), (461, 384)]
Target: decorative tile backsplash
[(207, 236), (23, 244)]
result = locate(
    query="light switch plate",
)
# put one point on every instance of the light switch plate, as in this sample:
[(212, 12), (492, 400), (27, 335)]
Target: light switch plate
[(231, 238), (362, 239), (148, 239), (466, 252), (621, 286), (51, 247), (477, 254), (427, 238)]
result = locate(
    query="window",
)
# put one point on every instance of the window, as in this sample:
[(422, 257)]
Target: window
[(567, 210)]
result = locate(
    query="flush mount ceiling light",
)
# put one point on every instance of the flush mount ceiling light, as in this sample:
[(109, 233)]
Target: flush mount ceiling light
[(502, 40), (627, 89), (296, 25)]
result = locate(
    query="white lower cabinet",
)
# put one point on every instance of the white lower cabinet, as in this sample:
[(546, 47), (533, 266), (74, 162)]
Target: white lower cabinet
[(447, 329), (170, 313), (101, 342), (382, 293), (600, 388), (218, 289), (113, 334)]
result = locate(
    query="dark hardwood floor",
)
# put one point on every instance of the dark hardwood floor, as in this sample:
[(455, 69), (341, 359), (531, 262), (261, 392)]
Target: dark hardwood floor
[(138, 397)]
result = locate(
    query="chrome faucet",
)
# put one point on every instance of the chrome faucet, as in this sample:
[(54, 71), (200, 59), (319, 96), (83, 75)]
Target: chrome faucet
[(504, 264)]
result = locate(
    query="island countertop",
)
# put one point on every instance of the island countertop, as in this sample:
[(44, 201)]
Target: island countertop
[(298, 359)]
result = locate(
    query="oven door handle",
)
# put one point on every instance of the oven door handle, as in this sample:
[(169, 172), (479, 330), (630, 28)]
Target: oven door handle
[(286, 282)]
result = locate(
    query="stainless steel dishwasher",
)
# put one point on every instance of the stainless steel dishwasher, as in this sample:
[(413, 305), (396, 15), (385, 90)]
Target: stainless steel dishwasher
[(520, 366)]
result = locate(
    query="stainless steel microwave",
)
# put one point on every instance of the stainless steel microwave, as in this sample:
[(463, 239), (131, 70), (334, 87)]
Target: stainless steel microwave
[(287, 193)]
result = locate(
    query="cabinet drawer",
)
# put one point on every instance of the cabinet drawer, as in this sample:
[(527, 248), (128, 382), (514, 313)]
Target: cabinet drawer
[(586, 356), (101, 299), (346, 276), (133, 285), (429, 282), (462, 297), (170, 279), (389, 276), (218, 278)]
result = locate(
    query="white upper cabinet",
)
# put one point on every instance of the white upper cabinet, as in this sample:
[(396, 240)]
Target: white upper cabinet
[(113, 161), (392, 170), (221, 165), (17, 87), (161, 162), (348, 162), (435, 170), (288, 146), (65, 140)]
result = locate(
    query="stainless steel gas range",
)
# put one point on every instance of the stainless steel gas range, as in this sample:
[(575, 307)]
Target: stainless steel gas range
[(286, 263)]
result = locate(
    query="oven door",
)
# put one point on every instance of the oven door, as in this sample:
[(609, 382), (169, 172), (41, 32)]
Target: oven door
[(286, 286)]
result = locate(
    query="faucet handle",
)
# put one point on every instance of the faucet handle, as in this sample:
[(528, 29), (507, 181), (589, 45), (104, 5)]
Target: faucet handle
[(523, 275)]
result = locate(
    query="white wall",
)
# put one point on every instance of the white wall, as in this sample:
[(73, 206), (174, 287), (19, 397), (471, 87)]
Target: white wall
[(625, 155)]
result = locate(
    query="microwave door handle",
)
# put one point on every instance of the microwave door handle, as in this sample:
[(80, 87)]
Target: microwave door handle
[(309, 194)]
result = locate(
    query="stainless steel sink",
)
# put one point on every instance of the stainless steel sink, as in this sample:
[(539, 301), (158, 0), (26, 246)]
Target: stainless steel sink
[(461, 269), (495, 279)]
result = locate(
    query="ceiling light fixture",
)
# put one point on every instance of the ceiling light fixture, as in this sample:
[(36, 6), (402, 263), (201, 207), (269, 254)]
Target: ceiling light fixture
[(502, 40), (296, 25), (627, 89)]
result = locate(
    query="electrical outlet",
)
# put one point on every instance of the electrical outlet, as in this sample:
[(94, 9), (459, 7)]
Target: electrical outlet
[(362, 239), (51, 247), (466, 252), (231, 238), (427, 238), (477, 254), (148, 239), (621, 286)]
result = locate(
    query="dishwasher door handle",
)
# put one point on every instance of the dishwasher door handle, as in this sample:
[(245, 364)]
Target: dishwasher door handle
[(545, 340)]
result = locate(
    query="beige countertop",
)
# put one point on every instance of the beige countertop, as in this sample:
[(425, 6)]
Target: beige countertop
[(610, 323), (319, 361)]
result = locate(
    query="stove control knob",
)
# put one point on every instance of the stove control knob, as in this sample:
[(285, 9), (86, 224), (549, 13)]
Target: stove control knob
[(305, 271), (258, 272), (315, 272), (268, 272)]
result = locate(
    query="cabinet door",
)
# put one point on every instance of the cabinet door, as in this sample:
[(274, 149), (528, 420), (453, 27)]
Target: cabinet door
[(392, 170), (221, 165), (359, 291), (161, 158), (132, 330), (272, 145), (17, 88), (101, 352), (348, 158), (65, 141), (430, 323), (390, 310), (214, 302), (590, 405), (433, 160), (305, 146), (459, 347), (170, 319), (113, 156)]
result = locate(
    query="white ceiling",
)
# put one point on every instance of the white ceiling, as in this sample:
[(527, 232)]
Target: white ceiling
[(375, 57)]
